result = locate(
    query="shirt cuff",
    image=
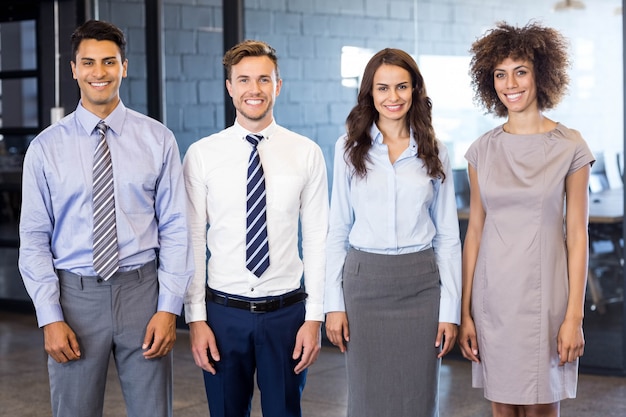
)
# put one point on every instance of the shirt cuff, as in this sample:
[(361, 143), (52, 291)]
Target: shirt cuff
[(170, 303), (195, 312), (49, 314), (449, 311), (333, 300), (314, 312)]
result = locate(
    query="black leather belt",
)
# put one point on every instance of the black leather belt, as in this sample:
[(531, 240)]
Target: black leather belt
[(265, 305)]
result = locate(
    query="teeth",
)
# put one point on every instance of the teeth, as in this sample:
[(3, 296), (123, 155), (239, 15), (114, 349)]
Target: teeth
[(99, 84), (254, 102), (514, 96), (396, 107)]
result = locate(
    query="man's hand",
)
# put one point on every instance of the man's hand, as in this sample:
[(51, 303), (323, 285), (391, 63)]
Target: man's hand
[(203, 346), (160, 335), (60, 342), (308, 345)]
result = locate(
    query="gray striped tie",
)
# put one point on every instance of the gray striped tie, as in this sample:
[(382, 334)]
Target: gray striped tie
[(105, 256)]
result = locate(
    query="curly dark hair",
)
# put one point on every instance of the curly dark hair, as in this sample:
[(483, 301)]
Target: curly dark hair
[(419, 116), (545, 47)]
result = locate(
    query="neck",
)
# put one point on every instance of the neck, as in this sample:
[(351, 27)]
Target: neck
[(528, 124), (254, 126), (393, 130)]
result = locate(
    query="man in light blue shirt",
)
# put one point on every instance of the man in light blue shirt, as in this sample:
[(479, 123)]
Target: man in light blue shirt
[(86, 316)]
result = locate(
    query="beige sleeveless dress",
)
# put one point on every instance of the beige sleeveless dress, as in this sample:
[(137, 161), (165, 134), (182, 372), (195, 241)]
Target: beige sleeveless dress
[(520, 290)]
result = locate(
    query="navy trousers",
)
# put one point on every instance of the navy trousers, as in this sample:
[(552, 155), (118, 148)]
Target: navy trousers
[(255, 342)]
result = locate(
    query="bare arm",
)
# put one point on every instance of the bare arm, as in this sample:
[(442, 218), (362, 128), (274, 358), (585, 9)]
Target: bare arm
[(467, 332), (571, 341)]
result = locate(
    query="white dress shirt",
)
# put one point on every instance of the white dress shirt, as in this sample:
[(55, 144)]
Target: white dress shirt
[(215, 170), (398, 208)]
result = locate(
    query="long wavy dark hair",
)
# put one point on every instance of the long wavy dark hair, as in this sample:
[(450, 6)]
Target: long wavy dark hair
[(418, 118)]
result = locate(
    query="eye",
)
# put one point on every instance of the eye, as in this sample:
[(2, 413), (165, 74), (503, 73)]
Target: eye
[(522, 72), (382, 88), (499, 75), (403, 87)]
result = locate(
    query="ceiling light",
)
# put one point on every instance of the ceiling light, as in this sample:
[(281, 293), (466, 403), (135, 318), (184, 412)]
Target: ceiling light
[(568, 5)]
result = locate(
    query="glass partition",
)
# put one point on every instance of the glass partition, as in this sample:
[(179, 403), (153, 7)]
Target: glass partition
[(319, 47)]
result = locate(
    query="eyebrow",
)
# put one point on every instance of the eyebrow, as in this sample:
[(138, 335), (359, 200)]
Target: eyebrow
[(514, 69), (107, 58), (386, 85)]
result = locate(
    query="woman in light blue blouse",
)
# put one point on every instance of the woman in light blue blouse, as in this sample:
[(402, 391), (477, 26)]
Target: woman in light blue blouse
[(393, 253)]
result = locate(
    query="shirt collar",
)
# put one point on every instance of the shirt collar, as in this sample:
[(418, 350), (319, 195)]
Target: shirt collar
[(377, 139), (242, 132), (89, 121)]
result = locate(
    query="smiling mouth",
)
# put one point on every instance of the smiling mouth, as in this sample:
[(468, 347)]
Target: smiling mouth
[(513, 97), (394, 107), (254, 101), (100, 84)]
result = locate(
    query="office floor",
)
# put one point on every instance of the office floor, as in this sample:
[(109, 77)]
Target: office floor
[(24, 384)]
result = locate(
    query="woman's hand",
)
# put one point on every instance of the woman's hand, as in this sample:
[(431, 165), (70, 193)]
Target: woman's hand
[(467, 339), (337, 329)]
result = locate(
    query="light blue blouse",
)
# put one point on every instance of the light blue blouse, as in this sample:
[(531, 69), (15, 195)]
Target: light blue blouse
[(396, 209)]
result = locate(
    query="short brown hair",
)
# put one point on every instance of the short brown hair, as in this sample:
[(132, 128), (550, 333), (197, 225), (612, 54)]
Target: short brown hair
[(245, 49), (545, 47)]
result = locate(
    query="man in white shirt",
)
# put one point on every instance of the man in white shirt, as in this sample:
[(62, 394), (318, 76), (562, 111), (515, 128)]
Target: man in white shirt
[(252, 315)]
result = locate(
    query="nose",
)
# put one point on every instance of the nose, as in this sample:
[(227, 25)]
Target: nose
[(98, 70), (511, 82), (255, 86), (393, 95)]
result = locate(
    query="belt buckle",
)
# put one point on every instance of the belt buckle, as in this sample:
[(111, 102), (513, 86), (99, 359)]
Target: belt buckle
[(254, 307)]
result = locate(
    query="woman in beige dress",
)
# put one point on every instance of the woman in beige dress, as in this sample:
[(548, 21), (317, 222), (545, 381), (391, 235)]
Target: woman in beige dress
[(524, 258)]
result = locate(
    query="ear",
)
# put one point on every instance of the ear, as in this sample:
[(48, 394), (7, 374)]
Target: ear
[(125, 68), (279, 84), (73, 67), (229, 88)]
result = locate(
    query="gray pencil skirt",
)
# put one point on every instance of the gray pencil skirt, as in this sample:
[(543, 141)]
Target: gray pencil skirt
[(392, 303)]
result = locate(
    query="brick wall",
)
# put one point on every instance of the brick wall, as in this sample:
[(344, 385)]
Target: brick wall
[(309, 36)]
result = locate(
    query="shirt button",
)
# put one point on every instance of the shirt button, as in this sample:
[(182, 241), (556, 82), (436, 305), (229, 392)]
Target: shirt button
[(252, 289), (100, 280)]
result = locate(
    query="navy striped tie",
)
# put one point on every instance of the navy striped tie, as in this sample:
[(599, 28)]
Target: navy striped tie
[(105, 252), (257, 247)]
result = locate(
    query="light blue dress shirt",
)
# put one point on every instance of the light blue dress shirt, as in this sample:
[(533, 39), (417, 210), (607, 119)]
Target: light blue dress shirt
[(57, 215), (396, 209)]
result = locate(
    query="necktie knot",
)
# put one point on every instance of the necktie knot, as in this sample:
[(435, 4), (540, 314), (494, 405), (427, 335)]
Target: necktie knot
[(254, 139), (102, 128)]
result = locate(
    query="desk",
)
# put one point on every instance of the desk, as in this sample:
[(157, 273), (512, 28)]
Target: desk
[(606, 212), (605, 207), (10, 187), (606, 216)]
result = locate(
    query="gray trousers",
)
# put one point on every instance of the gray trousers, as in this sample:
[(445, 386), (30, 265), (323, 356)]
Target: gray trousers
[(392, 303), (109, 319)]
